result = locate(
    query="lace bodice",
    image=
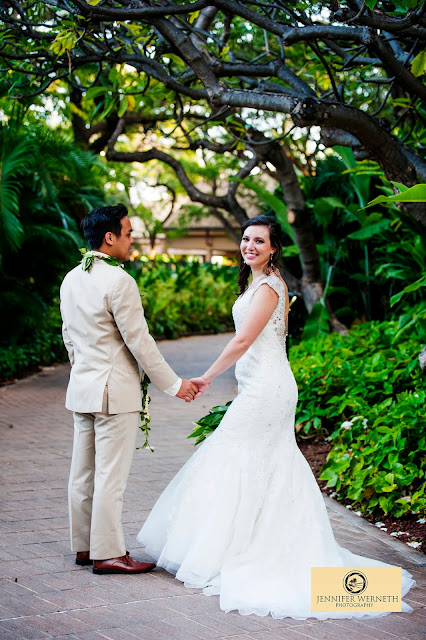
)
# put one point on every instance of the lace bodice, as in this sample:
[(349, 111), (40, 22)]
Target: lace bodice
[(273, 335)]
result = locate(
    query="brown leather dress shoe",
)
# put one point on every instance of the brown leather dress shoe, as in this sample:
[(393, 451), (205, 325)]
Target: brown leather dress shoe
[(125, 564), (83, 558)]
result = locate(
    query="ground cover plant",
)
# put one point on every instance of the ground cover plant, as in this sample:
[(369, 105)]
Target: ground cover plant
[(365, 393)]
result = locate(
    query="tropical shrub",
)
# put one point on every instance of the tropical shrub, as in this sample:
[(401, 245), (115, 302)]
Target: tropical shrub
[(378, 461), (369, 385), (44, 348), (367, 256), (184, 298), (342, 376), (46, 185)]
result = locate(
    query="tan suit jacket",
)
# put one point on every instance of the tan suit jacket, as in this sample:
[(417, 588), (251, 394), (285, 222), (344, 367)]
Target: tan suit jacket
[(106, 336)]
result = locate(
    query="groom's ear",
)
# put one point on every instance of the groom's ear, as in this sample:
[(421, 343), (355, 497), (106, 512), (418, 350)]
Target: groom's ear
[(109, 238)]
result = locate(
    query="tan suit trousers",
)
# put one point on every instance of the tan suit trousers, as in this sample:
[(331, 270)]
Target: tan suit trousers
[(102, 454)]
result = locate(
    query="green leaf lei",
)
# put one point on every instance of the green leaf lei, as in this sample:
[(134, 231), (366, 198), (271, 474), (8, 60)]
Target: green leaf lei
[(145, 417), (90, 256), (86, 264)]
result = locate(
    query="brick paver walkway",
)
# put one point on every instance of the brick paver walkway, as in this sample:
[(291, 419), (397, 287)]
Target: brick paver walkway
[(43, 594)]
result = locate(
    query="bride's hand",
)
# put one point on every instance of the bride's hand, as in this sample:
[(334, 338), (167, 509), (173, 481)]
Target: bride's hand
[(202, 383)]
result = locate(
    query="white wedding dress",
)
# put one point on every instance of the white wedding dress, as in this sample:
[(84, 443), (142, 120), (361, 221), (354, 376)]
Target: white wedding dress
[(244, 517)]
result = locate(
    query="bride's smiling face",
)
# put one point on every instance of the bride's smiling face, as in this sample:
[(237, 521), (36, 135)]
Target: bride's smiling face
[(256, 246)]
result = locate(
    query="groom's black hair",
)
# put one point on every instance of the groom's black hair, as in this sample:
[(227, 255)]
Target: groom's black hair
[(101, 220)]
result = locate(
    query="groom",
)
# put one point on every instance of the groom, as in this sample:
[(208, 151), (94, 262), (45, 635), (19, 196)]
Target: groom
[(106, 336)]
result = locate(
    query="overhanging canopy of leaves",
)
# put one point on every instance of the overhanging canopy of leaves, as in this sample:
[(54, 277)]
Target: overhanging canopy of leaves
[(354, 69)]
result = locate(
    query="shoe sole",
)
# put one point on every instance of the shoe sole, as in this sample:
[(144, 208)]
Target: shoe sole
[(84, 563), (105, 571)]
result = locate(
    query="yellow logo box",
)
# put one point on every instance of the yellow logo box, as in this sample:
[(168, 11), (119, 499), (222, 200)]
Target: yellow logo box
[(362, 589)]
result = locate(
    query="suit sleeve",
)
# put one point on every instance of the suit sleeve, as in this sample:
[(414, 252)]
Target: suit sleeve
[(68, 344), (67, 340), (129, 316)]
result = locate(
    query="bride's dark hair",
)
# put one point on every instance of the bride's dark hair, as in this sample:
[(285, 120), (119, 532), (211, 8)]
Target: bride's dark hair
[(275, 238)]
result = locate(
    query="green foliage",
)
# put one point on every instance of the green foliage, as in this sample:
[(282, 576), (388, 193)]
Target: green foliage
[(417, 193), (45, 347), (317, 322), (372, 225), (46, 185), (378, 459), (400, 262), (181, 298), (65, 40), (17, 159), (207, 424), (414, 286), (341, 376), (369, 382), (373, 256), (359, 180), (418, 65)]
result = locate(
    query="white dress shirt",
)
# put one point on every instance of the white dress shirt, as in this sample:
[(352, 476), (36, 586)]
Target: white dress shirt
[(172, 391)]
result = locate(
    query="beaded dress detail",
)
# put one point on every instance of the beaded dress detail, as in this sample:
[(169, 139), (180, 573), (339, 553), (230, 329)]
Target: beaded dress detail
[(244, 518)]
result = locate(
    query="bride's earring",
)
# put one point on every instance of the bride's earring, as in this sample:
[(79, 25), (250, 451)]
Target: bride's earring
[(268, 267)]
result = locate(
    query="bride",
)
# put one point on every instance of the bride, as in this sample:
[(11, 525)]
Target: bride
[(244, 517)]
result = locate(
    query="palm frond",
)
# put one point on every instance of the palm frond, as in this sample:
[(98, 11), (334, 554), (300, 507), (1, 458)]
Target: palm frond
[(17, 161), (57, 235)]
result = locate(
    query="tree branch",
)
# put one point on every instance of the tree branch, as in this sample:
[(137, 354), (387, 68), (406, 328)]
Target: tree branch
[(106, 13), (227, 225), (211, 200), (377, 21)]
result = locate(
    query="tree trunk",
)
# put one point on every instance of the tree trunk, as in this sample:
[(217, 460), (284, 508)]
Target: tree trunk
[(311, 284), (297, 214), (422, 359), (227, 225)]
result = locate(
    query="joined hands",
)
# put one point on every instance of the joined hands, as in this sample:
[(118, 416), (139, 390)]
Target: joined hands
[(188, 391), (192, 389), (202, 383)]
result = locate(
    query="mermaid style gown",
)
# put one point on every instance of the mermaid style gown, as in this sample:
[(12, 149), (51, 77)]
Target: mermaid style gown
[(244, 517)]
